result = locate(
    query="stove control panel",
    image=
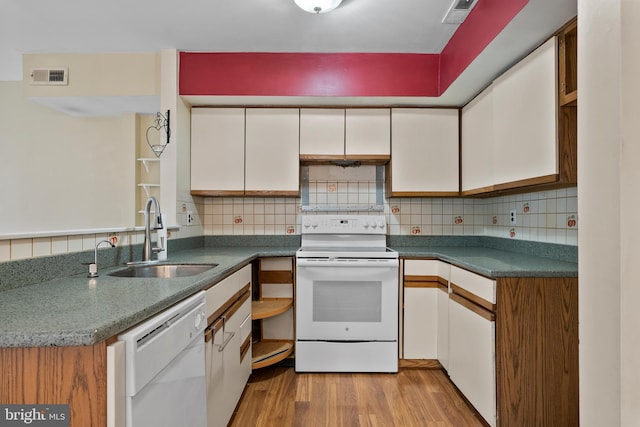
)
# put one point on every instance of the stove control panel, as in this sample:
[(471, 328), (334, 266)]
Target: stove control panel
[(344, 224)]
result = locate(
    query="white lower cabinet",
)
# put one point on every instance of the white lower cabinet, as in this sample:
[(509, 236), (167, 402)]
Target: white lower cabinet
[(472, 338), (116, 394), (228, 346), (421, 315), (420, 323), (443, 325)]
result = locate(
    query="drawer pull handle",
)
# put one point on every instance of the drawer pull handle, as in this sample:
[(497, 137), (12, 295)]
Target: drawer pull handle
[(227, 335)]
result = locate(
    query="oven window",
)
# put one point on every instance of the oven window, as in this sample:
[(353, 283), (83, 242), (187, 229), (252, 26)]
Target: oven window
[(347, 301)]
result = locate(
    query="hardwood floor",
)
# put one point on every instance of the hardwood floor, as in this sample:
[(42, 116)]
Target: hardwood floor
[(277, 396)]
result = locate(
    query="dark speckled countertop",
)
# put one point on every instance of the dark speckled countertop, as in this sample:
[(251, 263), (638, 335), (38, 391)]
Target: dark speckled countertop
[(494, 262), (76, 310)]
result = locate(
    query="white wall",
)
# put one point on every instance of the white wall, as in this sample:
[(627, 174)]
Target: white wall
[(175, 180), (59, 172), (112, 74), (629, 207), (608, 158)]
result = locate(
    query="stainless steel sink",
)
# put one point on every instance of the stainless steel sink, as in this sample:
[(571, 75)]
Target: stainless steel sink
[(163, 271)]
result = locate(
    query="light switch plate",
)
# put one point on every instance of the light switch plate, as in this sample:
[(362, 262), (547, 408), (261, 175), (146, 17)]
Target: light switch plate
[(512, 217)]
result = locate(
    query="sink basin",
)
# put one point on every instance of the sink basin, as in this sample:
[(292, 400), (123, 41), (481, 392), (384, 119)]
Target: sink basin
[(163, 271)]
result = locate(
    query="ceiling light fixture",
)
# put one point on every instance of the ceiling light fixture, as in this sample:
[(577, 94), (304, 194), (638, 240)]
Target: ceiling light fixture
[(318, 6)]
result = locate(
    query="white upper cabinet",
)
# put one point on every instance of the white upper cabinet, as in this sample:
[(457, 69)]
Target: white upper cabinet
[(238, 151), (525, 118), (354, 133), (272, 161), (367, 131), (509, 131), (477, 143), (322, 132), (424, 155), (217, 151)]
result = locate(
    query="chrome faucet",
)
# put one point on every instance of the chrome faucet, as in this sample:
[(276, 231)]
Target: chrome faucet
[(157, 225), (93, 268)]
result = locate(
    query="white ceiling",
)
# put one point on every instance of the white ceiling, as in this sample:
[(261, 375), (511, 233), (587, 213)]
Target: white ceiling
[(407, 26)]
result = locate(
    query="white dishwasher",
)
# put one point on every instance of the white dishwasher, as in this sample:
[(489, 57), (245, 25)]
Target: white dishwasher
[(165, 367)]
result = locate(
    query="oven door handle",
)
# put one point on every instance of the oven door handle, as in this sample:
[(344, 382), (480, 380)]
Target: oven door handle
[(347, 262)]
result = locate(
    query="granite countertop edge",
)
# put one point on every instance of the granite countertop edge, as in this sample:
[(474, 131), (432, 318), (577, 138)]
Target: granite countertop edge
[(78, 311)]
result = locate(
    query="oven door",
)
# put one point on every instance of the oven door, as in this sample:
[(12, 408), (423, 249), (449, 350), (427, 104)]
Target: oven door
[(347, 299)]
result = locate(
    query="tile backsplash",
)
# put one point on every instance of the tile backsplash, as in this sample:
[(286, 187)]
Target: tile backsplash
[(547, 216)]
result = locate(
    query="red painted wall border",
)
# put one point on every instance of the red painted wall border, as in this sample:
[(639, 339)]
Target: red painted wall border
[(346, 74), (308, 74)]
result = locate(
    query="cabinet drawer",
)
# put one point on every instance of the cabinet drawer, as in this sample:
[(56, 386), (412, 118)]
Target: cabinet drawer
[(243, 276), (220, 293), (421, 267), (474, 283), (225, 290), (426, 270)]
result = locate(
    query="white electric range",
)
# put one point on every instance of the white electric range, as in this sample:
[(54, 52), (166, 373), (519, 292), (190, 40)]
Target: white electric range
[(346, 296)]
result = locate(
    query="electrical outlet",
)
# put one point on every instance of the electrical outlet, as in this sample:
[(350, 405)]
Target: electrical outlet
[(189, 217), (512, 217)]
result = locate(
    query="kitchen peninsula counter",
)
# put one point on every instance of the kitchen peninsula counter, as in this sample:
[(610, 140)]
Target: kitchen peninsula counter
[(79, 311)]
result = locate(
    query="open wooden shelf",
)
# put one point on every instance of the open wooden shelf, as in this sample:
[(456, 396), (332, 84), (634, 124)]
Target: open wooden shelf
[(266, 353), (270, 307)]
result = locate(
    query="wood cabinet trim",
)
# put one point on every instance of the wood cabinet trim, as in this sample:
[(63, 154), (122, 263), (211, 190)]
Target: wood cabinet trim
[(244, 347), (276, 276), (214, 193), (265, 193), (76, 376), (537, 351), (425, 193), (486, 314), (473, 298), (431, 284)]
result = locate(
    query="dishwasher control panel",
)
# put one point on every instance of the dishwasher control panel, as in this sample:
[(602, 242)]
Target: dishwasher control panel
[(152, 345)]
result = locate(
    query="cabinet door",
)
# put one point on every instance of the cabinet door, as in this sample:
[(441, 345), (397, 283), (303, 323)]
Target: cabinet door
[(367, 131), (424, 157), (420, 322), (217, 151), (272, 152), (472, 360), (524, 119), (477, 144), (443, 314), (421, 315), (321, 132), (226, 375), (442, 343), (116, 394)]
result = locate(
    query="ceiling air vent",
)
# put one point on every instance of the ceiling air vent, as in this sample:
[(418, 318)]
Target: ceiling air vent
[(49, 76), (458, 11)]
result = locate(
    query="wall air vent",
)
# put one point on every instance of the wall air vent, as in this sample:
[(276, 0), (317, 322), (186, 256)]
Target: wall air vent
[(50, 76), (458, 11)]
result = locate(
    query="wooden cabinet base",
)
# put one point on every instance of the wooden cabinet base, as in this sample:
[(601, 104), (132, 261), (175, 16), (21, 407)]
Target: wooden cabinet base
[(74, 376), (267, 353), (537, 351)]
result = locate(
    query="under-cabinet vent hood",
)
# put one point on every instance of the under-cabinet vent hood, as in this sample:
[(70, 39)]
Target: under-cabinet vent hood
[(49, 76), (458, 11)]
